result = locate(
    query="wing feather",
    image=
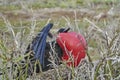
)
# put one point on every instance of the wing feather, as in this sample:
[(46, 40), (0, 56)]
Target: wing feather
[(39, 43)]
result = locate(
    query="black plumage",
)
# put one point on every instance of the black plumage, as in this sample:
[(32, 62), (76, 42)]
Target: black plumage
[(42, 53)]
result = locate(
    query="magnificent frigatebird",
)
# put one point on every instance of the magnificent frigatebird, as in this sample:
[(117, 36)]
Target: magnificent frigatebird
[(69, 47)]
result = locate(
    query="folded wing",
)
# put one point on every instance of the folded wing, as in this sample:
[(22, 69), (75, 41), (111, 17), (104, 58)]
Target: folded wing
[(39, 43)]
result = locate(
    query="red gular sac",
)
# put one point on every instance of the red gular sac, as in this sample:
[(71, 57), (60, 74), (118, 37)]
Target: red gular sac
[(73, 46)]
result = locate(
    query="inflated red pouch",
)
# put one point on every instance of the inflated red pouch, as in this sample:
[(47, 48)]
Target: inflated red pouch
[(73, 46)]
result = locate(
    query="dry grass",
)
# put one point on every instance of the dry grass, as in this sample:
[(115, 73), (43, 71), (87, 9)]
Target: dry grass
[(100, 26)]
